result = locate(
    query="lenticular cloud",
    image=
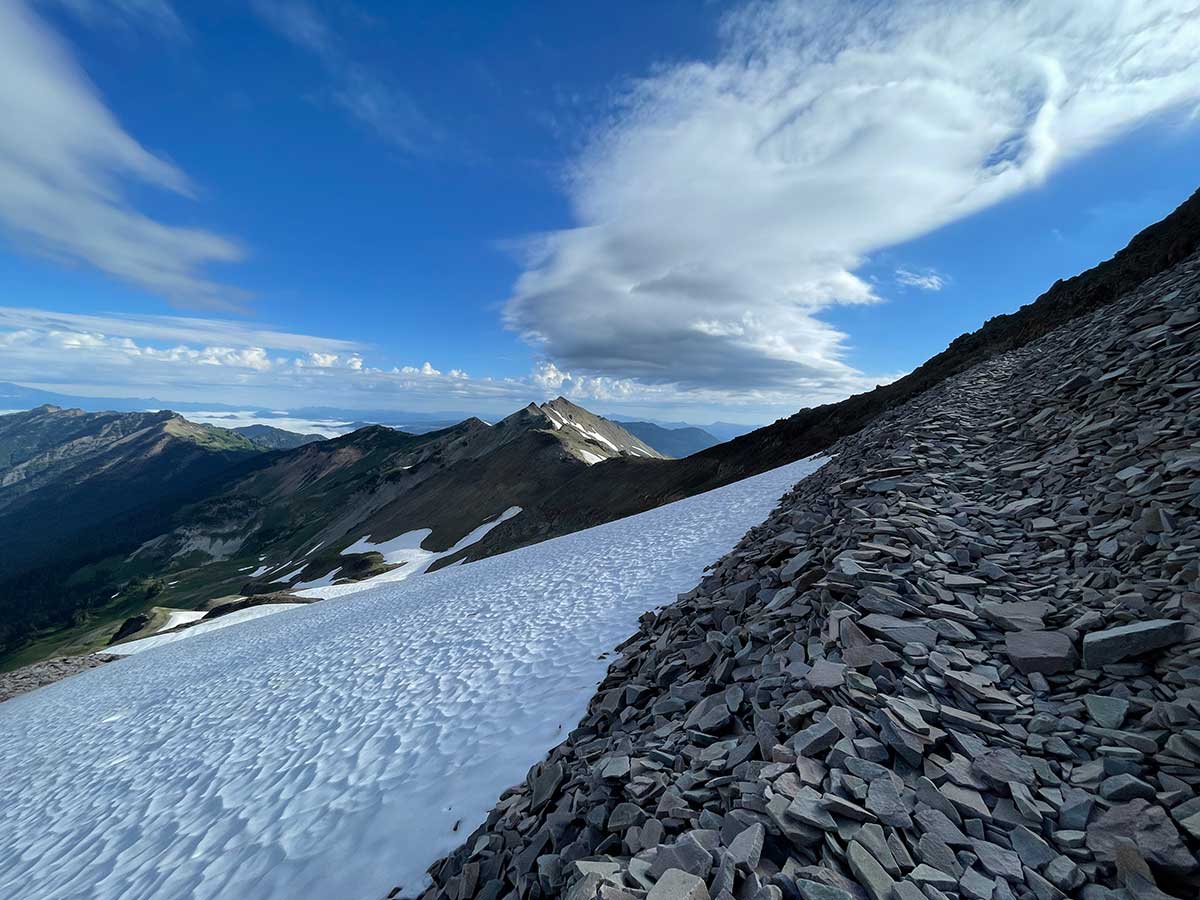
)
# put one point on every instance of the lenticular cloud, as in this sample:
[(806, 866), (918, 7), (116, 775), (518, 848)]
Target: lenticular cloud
[(732, 200)]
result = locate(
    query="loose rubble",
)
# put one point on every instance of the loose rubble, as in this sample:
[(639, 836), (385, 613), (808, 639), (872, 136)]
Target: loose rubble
[(960, 661)]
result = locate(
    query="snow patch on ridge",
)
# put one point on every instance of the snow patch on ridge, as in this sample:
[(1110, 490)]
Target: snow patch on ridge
[(233, 618), (405, 551), (339, 750)]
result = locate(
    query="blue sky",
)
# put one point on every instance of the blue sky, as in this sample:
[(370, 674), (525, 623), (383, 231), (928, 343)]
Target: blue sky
[(680, 210)]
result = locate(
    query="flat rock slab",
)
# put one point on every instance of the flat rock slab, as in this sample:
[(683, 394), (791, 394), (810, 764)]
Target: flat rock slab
[(1044, 652), (1103, 648)]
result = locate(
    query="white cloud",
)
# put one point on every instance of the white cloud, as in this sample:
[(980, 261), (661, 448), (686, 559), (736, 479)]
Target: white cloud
[(365, 93), (64, 159), (184, 358), (730, 202), (927, 280)]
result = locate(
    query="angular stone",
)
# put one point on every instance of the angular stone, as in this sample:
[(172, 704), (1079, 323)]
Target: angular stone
[(814, 890), (974, 885), (625, 815), (1107, 712), (1031, 848), (816, 738), (1023, 615), (898, 630), (546, 783), (884, 800), (1103, 648), (1149, 827), (1043, 652), (746, 848), (1125, 787), (870, 874), (998, 861), (825, 674), (924, 874), (934, 823), (686, 854), (999, 767), (675, 884)]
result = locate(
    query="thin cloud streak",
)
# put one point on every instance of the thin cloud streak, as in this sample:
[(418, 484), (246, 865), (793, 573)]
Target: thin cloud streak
[(64, 160), (362, 92)]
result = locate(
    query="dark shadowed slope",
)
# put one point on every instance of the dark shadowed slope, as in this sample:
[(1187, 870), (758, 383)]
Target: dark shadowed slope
[(268, 437), (77, 488)]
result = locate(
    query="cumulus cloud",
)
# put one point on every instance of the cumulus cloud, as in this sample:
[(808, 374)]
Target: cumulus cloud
[(178, 357), (364, 93), (730, 202), (65, 161)]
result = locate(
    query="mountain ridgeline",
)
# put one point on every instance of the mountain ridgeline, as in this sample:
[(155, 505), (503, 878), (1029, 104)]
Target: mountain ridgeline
[(97, 506), (106, 514)]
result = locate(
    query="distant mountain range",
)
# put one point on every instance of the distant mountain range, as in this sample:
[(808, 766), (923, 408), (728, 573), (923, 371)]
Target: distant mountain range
[(720, 431), (109, 510), (676, 442), (19, 397), (104, 514)]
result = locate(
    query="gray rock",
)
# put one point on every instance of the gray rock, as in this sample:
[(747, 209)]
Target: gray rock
[(676, 884), (1107, 712), (1030, 847), (1125, 787), (814, 890), (1000, 767), (1103, 648), (826, 674), (816, 738), (746, 848), (870, 874), (1043, 652), (1149, 827), (884, 800)]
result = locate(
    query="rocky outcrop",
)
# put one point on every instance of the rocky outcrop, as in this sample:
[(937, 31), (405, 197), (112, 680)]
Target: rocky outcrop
[(29, 678), (960, 661)]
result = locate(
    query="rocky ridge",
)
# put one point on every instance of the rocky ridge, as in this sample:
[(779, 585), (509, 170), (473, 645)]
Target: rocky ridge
[(960, 661)]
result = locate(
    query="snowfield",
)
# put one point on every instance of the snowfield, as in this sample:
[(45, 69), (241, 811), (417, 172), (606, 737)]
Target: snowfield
[(337, 750)]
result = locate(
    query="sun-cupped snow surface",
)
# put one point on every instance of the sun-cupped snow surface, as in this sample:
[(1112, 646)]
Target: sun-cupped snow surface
[(337, 750), (242, 615)]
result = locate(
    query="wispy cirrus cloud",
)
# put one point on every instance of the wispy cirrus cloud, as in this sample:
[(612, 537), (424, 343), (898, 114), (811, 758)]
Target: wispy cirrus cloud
[(730, 202), (925, 280), (131, 15), (65, 163), (363, 92)]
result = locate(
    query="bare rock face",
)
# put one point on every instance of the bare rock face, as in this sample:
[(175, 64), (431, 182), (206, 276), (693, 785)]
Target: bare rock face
[(962, 660)]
